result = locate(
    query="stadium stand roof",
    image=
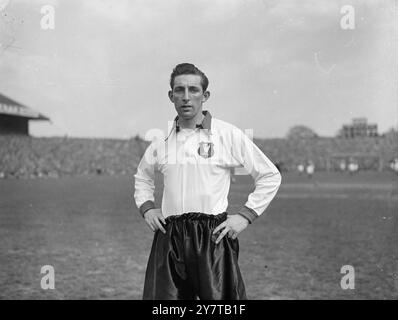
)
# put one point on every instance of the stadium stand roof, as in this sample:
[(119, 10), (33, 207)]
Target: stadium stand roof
[(13, 108)]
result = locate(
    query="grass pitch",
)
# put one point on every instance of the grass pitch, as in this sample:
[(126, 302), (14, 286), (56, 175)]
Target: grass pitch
[(89, 230)]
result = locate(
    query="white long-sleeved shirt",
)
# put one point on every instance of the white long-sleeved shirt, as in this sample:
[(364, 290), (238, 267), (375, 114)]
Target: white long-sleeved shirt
[(196, 165)]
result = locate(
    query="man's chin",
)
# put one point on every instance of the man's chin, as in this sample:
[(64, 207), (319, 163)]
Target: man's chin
[(186, 115)]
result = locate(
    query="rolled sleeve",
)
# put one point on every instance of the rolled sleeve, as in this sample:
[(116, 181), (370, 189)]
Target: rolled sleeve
[(248, 213), (147, 205)]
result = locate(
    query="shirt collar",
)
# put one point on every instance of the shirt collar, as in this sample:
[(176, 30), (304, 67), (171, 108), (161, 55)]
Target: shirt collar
[(205, 124)]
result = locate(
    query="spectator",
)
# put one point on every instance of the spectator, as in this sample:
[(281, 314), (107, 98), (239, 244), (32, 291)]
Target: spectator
[(353, 167), (300, 168), (343, 165), (394, 165), (310, 168)]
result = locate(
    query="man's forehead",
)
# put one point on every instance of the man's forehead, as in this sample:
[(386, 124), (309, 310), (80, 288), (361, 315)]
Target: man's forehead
[(188, 79)]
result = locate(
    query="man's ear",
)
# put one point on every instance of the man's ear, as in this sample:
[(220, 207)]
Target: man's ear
[(171, 97), (206, 96)]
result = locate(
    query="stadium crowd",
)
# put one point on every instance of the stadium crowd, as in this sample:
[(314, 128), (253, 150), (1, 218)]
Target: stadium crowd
[(29, 157), (326, 153)]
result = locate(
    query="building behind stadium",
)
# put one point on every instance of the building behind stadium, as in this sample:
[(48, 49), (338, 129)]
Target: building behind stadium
[(15, 117), (358, 128)]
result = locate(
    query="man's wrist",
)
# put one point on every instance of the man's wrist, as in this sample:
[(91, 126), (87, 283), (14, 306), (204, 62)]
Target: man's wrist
[(248, 213), (146, 206)]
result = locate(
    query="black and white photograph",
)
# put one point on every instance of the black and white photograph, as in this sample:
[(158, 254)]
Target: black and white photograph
[(215, 150)]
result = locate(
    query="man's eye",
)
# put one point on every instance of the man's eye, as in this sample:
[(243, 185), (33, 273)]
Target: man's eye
[(194, 90), (178, 90)]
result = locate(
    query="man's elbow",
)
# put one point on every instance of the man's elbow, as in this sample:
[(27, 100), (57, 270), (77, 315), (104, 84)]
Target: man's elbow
[(277, 178)]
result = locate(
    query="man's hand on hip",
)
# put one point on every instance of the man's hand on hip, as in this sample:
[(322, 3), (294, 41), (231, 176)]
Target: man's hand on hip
[(154, 219), (234, 225)]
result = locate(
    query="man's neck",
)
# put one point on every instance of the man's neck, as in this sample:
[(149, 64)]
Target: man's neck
[(190, 123)]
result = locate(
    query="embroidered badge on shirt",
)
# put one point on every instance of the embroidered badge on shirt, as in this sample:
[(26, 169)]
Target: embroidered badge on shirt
[(206, 149)]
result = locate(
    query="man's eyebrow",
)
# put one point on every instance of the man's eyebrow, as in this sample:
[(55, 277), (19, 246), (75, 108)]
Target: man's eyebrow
[(190, 87)]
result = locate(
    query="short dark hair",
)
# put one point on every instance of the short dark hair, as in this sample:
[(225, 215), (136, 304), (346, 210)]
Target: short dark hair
[(188, 68)]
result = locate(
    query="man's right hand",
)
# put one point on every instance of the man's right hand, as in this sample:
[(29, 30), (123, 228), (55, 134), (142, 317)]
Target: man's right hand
[(154, 219)]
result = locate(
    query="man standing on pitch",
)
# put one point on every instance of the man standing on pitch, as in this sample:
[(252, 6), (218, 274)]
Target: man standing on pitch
[(191, 257)]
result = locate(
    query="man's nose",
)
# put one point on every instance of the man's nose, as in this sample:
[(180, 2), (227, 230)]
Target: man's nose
[(186, 95)]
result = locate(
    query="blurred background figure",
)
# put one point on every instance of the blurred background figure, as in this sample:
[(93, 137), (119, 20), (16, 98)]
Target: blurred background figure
[(394, 165), (353, 167), (300, 168), (343, 165), (310, 168)]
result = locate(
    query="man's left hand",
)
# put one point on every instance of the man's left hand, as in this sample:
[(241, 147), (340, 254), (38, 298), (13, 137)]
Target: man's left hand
[(234, 225)]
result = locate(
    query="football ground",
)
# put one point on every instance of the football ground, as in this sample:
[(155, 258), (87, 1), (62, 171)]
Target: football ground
[(90, 231)]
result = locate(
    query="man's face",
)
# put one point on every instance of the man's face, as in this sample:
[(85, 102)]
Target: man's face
[(188, 96)]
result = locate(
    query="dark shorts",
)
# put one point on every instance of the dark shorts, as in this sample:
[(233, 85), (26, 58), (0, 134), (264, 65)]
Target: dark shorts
[(187, 264)]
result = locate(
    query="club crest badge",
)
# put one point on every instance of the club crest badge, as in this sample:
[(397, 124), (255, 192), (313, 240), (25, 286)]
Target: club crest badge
[(206, 149)]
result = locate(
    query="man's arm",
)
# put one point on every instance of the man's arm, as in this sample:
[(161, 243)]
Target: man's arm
[(267, 180), (145, 188), (266, 176), (145, 181)]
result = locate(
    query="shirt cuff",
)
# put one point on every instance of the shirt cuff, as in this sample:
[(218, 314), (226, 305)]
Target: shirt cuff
[(147, 205), (248, 213)]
